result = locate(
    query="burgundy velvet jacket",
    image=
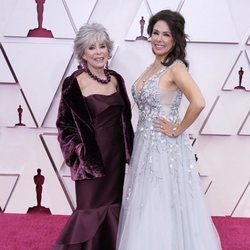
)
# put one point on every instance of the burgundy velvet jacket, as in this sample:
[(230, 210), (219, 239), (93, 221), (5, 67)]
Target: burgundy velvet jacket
[(75, 130)]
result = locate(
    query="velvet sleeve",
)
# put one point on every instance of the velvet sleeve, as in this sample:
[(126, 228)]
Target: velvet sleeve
[(127, 115), (68, 135), (129, 132)]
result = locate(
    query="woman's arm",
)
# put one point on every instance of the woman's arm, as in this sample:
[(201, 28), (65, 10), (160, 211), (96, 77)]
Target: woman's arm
[(126, 118), (68, 135), (183, 80), (190, 89)]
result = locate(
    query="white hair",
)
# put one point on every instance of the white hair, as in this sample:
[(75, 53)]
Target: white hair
[(89, 34)]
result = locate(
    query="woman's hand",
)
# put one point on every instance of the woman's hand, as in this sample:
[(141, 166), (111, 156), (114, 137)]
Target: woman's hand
[(165, 127)]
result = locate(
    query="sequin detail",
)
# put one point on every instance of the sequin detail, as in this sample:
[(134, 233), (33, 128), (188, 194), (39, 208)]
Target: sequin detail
[(156, 143)]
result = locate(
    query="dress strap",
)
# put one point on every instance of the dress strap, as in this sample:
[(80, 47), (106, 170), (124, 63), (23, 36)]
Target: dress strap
[(164, 69)]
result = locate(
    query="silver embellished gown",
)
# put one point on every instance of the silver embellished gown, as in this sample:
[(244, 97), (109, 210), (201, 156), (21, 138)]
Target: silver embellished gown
[(163, 205)]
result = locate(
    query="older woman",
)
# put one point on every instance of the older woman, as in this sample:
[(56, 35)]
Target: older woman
[(95, 134)]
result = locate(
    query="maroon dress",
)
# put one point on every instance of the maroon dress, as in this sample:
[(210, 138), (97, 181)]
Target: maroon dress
[(93, 225)]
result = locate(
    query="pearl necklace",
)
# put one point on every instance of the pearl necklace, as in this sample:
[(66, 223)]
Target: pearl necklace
[(96, 78)]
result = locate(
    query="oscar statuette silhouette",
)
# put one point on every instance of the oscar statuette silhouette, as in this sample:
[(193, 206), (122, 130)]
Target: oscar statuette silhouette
[(141, 37), (20, 113), (39, 181), (240, 72), (40, 31)]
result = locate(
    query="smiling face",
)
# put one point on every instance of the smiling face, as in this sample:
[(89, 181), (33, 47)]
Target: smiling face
[(96, 55), (161, 39)]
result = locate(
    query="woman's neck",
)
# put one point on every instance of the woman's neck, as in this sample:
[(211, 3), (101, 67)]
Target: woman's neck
[(97, 71), (100, 75), (157, 63)]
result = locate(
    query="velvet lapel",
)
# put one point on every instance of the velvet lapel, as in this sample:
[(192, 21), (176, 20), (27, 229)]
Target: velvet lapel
[(77, 102)]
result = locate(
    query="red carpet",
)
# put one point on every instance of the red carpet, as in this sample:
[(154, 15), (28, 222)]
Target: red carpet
[(29, 232), (39, 232)]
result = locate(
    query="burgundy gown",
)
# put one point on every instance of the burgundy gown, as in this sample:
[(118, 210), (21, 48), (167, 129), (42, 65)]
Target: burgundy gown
[(93, 225)]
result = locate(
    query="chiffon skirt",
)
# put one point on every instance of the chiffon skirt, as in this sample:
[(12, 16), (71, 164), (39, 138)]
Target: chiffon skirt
[(163, 203)]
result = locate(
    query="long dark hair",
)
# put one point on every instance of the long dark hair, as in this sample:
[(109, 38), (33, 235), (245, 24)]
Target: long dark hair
[(176, 23)]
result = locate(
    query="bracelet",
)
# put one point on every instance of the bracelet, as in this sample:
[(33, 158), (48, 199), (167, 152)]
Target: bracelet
[(173, 131)]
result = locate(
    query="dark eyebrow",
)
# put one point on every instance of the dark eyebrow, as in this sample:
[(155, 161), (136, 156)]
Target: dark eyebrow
[(167, 32), (164, 32)]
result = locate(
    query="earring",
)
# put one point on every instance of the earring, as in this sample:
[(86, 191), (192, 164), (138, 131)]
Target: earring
[(107, 65), (85, 64)]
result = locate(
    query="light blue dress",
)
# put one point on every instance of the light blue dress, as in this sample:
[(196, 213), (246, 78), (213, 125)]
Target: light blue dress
[(163, 203)]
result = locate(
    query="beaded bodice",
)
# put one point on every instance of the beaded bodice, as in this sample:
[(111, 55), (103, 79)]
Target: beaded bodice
[(153, 103)]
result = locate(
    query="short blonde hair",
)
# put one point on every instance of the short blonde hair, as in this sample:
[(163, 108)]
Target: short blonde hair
[(89, 34)]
